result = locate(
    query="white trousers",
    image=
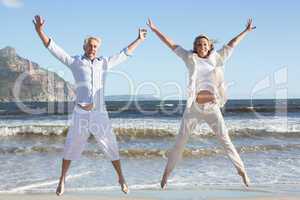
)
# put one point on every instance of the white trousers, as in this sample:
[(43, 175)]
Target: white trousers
[(83, 124), (211, 114)]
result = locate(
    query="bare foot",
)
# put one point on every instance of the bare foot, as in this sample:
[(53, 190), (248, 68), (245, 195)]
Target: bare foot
[(124, 186), (164, 180), (245, 178), (60, 188)]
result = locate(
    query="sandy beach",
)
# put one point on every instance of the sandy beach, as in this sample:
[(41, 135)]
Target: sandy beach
[(121, 197), (64, 197), (205, 193)]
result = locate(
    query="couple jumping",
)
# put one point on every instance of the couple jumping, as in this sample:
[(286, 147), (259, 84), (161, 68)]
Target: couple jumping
[(206, 95)]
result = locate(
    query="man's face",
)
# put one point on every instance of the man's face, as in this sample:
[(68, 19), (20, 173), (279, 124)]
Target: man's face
[(91, 49), (202, 47)]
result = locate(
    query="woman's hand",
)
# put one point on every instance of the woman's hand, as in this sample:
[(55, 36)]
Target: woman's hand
[(165, 39), (236, 40), (249, 26), (151, 25)]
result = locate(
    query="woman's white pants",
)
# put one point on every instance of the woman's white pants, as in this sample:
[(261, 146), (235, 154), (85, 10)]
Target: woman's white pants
[(211, 114)]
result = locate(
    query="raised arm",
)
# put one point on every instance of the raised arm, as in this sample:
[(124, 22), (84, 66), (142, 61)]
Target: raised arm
[(235, 41), (168, 41), (39, 23), (55, 50), (141, 37), (123, 55)]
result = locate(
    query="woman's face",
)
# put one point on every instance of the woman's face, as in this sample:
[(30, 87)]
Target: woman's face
[(202, 47)]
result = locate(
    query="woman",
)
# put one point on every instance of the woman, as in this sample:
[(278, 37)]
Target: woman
[(206, 94)]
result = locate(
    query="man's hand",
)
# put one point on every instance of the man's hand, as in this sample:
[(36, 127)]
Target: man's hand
[(141, 37), (142, 34), (38, 23)]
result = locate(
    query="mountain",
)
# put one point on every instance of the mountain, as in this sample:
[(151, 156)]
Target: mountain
[(24, 80)]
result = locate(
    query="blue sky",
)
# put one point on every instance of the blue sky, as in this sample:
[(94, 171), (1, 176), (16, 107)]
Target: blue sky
[(264, 65)]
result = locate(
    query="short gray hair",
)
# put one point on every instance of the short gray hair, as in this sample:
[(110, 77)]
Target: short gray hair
[(89, 38)]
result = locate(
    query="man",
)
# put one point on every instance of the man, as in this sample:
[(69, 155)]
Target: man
[(90, 115)]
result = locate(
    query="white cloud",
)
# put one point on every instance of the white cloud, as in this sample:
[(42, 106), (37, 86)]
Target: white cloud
[(12, 3)]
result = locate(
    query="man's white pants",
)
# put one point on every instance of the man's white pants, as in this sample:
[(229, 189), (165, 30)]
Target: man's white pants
[(211, 114), (83, 124)]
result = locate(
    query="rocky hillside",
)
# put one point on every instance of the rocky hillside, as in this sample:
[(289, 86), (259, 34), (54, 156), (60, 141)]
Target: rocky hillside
[(24, 80)]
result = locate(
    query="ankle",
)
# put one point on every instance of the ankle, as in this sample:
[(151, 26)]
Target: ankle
[(121, 179), (165, 175), (62, 180), (241, 172)]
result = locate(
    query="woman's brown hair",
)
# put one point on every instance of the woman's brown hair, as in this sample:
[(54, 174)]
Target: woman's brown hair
[(210, 42)]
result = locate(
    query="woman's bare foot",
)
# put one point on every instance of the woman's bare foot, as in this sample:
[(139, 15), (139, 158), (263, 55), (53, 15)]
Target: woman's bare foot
[(124, 186), (60, 188), (245, 178), (164, 180)]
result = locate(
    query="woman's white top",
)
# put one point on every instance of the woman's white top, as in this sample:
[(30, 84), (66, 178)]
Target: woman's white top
[(206, 73)]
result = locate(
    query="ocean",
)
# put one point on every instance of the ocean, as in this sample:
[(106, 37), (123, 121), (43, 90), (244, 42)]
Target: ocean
[(265, 132)]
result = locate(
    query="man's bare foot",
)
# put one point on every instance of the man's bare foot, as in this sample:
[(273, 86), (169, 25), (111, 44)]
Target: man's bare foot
[(164, 180), (60, 188), (124, 186), (245, 178)]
